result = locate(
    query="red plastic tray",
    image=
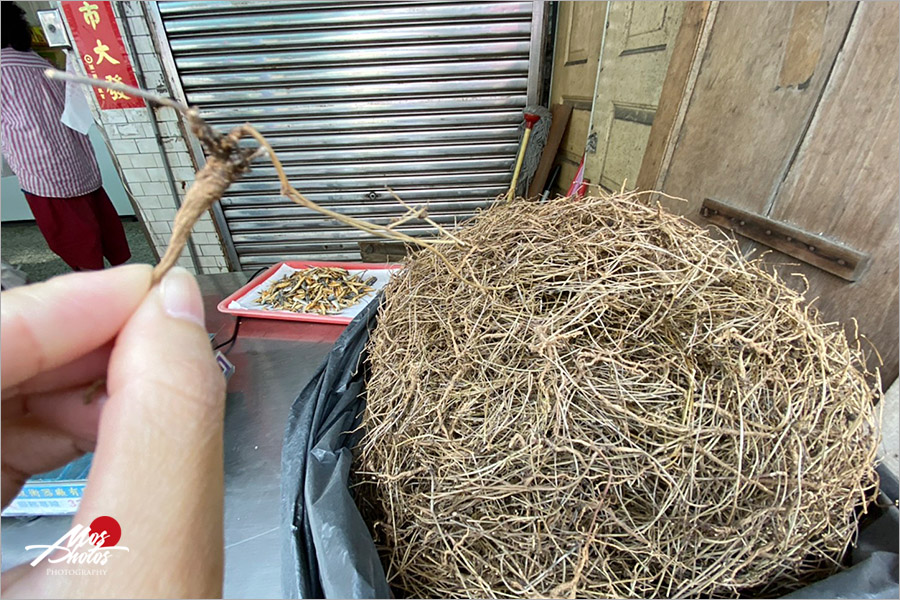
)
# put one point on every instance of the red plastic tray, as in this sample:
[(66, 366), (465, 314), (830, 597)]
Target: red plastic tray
[(289, 316)]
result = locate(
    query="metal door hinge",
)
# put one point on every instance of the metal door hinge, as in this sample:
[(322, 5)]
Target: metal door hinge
[(811, 248)]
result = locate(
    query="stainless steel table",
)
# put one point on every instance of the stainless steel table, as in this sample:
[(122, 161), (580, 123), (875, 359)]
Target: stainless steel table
[(273, 360)]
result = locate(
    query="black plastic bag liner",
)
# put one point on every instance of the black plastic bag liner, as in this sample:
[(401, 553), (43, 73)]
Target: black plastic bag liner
[(328, 551)]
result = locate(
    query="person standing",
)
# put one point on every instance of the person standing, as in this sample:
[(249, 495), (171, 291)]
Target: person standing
[(55, 164)]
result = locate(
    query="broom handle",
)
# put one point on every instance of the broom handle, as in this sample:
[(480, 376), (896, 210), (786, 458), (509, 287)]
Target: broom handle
[(519, 159)]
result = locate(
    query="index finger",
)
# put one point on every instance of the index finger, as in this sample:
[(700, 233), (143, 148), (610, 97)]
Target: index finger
[(48, 324)]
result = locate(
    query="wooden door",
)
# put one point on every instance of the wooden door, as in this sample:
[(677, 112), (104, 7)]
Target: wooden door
[(639, 41), (791, 114), (843, 181), (579, 36)]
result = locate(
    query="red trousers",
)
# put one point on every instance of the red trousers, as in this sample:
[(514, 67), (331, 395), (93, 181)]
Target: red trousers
[(81, 230)]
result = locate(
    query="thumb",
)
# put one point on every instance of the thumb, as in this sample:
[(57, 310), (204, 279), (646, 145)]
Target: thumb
[(158, 463)]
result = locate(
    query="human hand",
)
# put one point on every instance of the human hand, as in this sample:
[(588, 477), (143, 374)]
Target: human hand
[(155, 427)]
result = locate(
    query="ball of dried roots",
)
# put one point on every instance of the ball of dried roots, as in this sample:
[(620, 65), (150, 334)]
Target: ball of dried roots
[(608, 402)]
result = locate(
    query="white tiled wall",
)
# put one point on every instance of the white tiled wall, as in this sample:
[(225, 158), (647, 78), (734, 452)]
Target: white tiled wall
[(134, 146)]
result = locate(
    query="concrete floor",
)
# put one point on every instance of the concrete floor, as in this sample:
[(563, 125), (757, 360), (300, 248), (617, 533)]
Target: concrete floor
[(23, 246)]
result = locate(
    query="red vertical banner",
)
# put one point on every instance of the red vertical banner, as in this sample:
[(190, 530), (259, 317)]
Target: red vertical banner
[(102, 51)]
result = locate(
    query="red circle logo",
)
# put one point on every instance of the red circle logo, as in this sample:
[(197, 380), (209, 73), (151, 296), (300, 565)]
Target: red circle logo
[(110, 526)]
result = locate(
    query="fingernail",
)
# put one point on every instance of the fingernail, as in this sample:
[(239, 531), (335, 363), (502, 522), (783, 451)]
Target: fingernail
[(181, 296)]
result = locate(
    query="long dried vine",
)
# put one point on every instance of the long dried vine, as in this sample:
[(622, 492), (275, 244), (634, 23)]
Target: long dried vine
[(226, 162)]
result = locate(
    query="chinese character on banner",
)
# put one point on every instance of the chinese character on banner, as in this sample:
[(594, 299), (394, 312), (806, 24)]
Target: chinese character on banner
[(103, 55), (91, 17)]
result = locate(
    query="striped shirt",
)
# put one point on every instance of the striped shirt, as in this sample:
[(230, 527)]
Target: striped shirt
[(50, 159)]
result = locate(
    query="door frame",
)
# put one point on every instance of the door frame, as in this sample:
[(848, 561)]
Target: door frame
[(161, 41), (684, 66)]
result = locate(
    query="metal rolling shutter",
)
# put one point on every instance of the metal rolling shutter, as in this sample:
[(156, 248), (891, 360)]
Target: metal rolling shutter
[(423, 97)]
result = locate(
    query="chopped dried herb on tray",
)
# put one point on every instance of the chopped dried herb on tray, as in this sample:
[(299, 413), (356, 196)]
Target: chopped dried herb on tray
[(321, 290)]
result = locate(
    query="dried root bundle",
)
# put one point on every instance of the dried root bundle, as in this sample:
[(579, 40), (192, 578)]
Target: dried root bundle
[(624, 407)]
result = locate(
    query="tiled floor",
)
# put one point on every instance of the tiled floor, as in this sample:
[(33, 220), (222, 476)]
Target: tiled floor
[(23, 246)]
